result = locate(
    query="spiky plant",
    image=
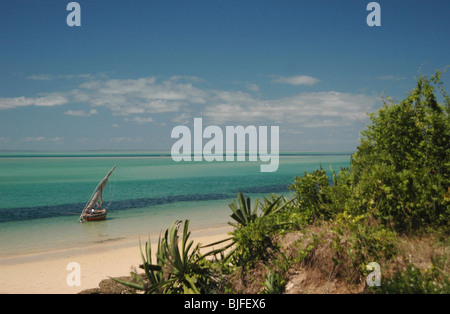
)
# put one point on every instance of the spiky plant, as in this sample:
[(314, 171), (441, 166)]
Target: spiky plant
[(246, 217), (177, 270), (243, 213)]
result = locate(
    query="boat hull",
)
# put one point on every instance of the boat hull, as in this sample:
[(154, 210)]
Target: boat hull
[(96, 216)]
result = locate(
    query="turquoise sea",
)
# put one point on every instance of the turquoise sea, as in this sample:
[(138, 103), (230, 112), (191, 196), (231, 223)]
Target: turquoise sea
[(43, 193)]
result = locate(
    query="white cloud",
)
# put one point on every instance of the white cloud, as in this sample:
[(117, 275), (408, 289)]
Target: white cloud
[(9, 103), (305, 109), (252, 87), (140, 99), (138, 96), (51, 77), (56, 139), (81, 113), (140, 120), (40, 77), (49, 100), (34, 139), (122, 97), (390, 78), (297, 80), (123, 139), (189, 78), (150, 96), (182, 118)]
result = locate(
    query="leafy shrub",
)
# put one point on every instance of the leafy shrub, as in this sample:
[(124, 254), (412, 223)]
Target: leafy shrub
[(400, 173), (322, 198), (312, 194), (413, 280), (253, 242), (401, 170), (252, 238), (370, 244)]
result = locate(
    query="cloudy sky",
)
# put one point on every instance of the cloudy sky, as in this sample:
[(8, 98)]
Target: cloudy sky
[(134, 70)]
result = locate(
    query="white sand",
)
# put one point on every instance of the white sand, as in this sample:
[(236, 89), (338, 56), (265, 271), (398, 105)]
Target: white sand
[(47, 273)]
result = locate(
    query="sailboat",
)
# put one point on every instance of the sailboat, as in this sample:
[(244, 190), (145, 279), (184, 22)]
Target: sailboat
[(93, 210)]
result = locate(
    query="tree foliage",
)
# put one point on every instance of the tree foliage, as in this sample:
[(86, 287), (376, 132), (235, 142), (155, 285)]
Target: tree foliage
[(401, 170), (400, 173)]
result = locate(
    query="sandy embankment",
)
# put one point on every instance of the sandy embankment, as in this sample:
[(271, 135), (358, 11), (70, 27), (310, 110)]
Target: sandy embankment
[(47, 273)]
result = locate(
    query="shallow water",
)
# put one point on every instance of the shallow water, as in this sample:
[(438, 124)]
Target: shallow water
[(42, 194)]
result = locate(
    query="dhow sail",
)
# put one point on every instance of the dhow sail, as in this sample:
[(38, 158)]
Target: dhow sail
[(96, 198)]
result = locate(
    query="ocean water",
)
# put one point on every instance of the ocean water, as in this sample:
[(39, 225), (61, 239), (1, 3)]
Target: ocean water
[(42, 194)]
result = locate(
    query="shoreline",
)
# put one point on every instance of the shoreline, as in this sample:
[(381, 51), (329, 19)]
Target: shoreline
[(47, 272)]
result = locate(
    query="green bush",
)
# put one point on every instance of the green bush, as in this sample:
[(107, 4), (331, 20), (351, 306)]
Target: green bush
[(413, 280), (401, 170), (312, 195), (320, 197), (400, 173), (255, 242), (251, 240)]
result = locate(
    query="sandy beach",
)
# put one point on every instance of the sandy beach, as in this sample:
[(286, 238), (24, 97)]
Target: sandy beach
[(50, 272)]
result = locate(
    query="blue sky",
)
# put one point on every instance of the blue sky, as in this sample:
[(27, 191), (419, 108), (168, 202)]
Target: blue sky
[(134, 70)]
